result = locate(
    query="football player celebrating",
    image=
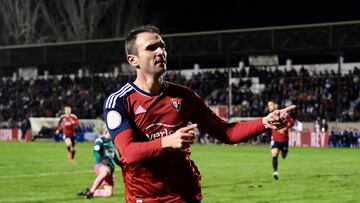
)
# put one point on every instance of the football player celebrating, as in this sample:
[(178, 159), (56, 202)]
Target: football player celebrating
[(148, 120), (279, 139)]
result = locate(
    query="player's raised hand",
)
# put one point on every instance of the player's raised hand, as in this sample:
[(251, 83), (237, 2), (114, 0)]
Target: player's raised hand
[(180, 139), (277, 119), (284, 112)]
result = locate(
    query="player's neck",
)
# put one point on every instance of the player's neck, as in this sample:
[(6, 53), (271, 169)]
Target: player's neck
[(149, 85)]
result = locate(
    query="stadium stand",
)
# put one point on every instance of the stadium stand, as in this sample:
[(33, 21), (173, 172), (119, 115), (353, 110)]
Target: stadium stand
[(314, 93)]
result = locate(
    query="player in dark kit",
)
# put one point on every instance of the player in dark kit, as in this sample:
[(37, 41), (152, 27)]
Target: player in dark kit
[(67, 124), (149, 122), (279, 139)]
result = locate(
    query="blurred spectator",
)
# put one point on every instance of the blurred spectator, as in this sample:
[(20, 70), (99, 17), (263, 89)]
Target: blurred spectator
[(323, 125), (332, 138), (316, 127), (298, 126), (24, 126)]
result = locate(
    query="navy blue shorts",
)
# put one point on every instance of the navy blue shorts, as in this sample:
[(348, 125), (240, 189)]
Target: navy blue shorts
[(72, 139), (283, 146)]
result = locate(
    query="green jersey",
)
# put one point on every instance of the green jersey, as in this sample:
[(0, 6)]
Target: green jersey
[(104, 152)]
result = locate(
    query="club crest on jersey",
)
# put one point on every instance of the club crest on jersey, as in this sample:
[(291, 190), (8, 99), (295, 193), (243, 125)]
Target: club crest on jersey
[(176, 103)]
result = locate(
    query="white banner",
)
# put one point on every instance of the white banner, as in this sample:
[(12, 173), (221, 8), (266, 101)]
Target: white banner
[(87, 125)]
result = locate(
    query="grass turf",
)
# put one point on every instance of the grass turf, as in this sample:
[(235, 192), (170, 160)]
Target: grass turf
[(40, 172)]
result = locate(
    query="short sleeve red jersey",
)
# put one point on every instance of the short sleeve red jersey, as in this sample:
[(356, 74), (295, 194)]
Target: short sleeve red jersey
[(282, 135), (68, 124)]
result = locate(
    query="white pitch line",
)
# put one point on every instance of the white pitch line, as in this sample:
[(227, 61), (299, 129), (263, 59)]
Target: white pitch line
[(30, 164), (45, 174)]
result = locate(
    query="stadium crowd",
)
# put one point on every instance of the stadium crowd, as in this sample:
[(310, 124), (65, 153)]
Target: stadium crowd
[(315, 94), (349, 137)]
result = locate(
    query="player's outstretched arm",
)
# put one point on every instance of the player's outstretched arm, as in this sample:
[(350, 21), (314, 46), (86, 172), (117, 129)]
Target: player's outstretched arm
[(277, 119)]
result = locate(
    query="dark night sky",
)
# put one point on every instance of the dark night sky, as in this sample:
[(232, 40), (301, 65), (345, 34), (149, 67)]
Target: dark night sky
[(190, 16)]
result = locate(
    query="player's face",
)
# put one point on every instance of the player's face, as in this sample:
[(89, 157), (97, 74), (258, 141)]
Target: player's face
[(151, 54), (272, 106), (67, 111)]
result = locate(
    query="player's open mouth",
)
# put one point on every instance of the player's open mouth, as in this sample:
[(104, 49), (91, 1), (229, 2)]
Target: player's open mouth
[(160, 61)]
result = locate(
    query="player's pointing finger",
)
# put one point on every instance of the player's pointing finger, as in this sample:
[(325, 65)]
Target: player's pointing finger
[(289, 108), (189, 127)]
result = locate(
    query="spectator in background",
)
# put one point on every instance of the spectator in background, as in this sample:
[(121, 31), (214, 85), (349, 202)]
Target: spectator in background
[(357, 137), (332, 137), (298, 126), (324, 125), (346, 137), (316, 127), (24, 126)]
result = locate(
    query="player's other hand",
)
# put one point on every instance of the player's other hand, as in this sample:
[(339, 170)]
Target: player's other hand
[(180, 139), (277, 119)]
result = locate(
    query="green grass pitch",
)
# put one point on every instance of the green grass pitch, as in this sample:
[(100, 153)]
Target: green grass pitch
[(40, 172)]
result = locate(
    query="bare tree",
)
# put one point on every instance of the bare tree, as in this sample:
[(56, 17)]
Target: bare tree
[(127, 13), (19, 20), (75, 19), (39, 21)]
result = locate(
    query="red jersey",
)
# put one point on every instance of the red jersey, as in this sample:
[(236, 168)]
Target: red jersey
[(282, 135), (68, 124), (136, 120)]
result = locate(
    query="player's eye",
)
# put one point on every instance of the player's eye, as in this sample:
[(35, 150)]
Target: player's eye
[(152, 47)]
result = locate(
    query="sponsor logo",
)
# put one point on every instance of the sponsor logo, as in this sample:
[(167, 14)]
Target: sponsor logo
[(165, 131), (162, 133)]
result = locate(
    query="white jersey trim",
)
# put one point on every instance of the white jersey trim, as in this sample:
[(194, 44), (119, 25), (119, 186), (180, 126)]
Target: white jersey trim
[(111, 101)]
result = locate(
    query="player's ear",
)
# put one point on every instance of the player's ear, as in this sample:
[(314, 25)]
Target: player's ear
[(132, 59)]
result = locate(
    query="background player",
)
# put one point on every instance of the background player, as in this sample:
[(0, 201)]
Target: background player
[(67, 124), (279, 139), (105, 158)]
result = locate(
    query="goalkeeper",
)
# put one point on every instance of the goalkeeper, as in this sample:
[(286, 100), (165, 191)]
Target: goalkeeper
[(106, 157)]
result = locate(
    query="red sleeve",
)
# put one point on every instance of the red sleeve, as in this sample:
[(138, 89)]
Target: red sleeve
[(76, 120), (213, 125), (131, 151), (240, 132), (58, 127), (290, 122)]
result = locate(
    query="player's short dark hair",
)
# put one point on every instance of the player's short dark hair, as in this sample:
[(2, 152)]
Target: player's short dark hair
[(273, 101), (131, 37)]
